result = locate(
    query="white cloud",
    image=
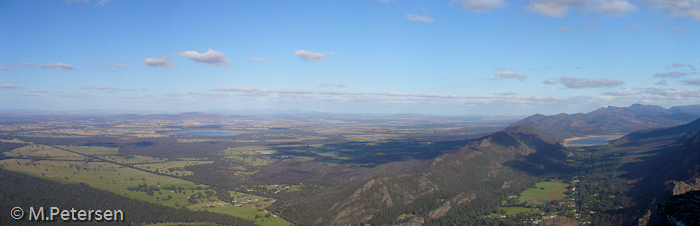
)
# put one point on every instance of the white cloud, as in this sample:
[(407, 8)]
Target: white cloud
[(509, 93), (55, 65), (549, 81), (509, 75), (613, 7), (694, 82), (674, 74), (481, 5), (211, 57), (38, 91), (78, 95), (28, 64), (621, 93), (203, 94), (678, 8), (8, 67), (8, 86), (235, 89), (390, 94), (109, 89), (663, 82), (578, 83), (415, 17), (288, 91), (260, 59), (549, 8), (677, 65), (309, 56), (253, 91), (163, 61), (559, 8), (333, 84), (673, 92), (103, 2)]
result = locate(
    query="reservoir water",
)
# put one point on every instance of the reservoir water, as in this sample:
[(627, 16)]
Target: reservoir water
[(589, 141), (205, 133)]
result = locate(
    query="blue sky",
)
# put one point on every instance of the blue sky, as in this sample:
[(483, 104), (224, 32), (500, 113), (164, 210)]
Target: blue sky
[(460, 57)]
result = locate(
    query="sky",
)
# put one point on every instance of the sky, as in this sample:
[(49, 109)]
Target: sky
[(458, 57)]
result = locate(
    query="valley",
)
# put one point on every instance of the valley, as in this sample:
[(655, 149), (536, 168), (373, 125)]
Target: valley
[(377, 170)]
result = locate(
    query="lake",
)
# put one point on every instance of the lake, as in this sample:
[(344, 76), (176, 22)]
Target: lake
[(589, 141), (205, 133)]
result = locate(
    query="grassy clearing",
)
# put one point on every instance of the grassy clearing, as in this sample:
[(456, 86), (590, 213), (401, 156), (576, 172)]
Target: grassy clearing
[(43, 151), (175, 168), (133, 159), (276, 187), (92, 150), (405, 216), (103, 175), (248, 158), (544, 192), (246, 206), (12, 141)]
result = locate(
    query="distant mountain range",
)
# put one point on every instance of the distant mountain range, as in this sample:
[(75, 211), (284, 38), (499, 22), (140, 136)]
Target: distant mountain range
[(610, 120)]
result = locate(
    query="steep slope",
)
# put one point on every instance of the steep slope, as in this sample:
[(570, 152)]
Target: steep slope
[(672, 165), (610, 120), (478, 175)]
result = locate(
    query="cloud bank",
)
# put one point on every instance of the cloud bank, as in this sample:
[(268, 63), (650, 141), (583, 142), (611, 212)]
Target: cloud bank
[(163, 61), (211, 57)]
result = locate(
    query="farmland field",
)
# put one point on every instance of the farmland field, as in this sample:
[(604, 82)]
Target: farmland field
[(544, 192), (43, 151)]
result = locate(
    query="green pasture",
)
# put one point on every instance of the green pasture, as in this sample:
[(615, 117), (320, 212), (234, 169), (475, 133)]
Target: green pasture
[(92, 150), (103, 175), (544, 192), (248, 211), (133, 159), (175, 168), (43, 151)]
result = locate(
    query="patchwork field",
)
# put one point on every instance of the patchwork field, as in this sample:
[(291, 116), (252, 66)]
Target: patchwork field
[(247, 206), (175, 168), (43, 151), (544, 192), (92, 150), (63, 166)]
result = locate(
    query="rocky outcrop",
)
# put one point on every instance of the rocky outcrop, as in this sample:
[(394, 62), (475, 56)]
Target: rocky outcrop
[(681, 210)]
